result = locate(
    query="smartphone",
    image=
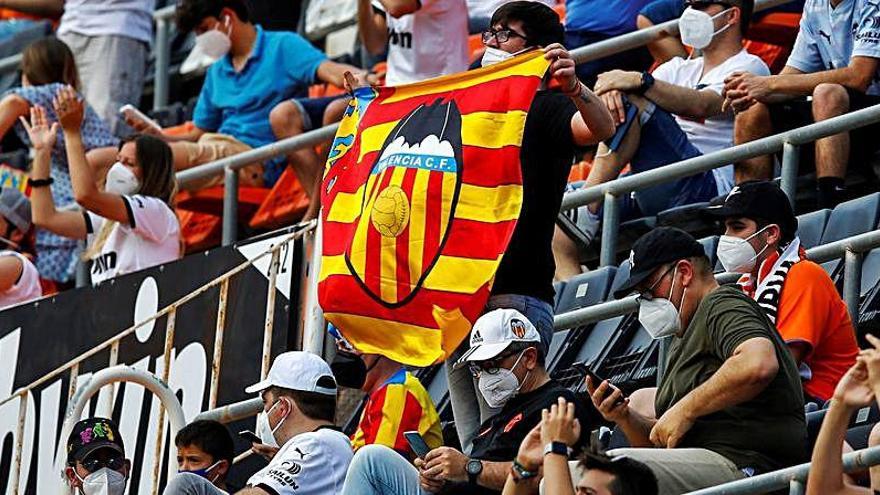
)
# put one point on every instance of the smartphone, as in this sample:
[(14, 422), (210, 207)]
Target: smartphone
[(250, 436), (131, 112), (630, 112), (596, 379), (416, 443)]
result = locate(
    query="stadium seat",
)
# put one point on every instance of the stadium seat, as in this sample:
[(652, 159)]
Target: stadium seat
[(690, 218), (556, 345), (631, 230), (870, 271), (710, 246), (558, 287), (853, 217), (811, 226), (619, 277), (283, 205), (586, 289)]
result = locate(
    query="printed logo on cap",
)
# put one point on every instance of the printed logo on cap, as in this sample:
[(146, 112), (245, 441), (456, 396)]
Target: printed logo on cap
[(736, 190), (517, 327), (632, 260), (476, 338)]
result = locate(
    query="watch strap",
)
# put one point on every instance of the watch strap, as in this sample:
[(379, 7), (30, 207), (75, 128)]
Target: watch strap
[(520, 472), (473, 474), (41, 182), (558, 448), (647, 82)]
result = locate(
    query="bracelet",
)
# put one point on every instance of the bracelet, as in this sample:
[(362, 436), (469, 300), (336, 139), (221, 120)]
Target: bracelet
[(519, 472), (574, 91), (41, 182)]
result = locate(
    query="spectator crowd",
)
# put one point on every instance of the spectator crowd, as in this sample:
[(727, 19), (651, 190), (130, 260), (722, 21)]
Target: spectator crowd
[(743, 360)]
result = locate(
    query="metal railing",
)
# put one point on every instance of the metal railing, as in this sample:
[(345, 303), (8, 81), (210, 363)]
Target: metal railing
[(170, 311), (789, 142), (795, 477)]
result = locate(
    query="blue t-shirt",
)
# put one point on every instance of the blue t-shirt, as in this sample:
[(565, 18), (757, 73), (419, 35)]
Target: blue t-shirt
[(830, 37), (611, 17), (282, 65)]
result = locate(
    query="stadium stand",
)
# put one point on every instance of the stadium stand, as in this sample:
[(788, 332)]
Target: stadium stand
[(615, 347)]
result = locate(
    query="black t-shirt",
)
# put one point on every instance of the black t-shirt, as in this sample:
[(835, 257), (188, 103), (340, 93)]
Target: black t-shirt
[(499, 437), (546, 156)]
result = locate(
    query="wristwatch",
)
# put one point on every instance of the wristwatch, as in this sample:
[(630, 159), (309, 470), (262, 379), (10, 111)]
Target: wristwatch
[(647, 82), (520, 473), (473, 468), (558, 448), (41, 182)]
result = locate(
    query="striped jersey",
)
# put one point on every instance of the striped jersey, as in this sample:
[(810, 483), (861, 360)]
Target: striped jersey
[(401, 404)]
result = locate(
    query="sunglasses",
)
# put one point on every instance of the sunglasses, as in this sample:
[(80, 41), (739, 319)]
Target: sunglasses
[(500, 35), (491, 366), (114, 463)]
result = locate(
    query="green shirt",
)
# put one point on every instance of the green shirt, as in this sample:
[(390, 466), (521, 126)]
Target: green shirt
[(765, 433)]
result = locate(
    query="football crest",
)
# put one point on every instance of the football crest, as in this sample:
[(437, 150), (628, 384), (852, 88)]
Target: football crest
[(408, 203)]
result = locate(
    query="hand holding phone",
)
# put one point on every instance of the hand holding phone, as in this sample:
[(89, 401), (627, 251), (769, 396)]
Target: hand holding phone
[(417, 443), (250, 436), (131, 113)]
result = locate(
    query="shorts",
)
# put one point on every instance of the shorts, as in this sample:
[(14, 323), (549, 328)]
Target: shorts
[(212, 147), (312, 110), (796, 113), (660, 11)]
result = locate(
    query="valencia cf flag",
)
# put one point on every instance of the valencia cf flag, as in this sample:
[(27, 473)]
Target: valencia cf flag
[(420, 197)]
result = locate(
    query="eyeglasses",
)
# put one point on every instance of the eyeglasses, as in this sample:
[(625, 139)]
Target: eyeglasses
[(500, 35), (648, 294), (114, 462), (491, 366)]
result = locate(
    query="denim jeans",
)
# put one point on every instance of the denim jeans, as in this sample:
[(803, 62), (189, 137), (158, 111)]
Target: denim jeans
[(191, 484), (378, 470), (469, 409)]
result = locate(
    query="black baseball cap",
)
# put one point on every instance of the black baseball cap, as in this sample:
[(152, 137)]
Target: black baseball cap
[(90, 435), (656, 248), (758, 200)]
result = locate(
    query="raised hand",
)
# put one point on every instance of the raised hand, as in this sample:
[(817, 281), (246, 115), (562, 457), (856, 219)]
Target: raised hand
[(69, 108), (41, 134), (559, 424)]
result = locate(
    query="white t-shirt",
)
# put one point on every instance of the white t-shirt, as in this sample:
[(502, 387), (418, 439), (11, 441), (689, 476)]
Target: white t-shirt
[(430, 42), (311, 463), (26, 288), (485, 8), (127, 18), (715, 133), (152, 238)]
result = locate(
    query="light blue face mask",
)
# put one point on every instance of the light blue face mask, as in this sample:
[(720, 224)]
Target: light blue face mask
[(204, 472)]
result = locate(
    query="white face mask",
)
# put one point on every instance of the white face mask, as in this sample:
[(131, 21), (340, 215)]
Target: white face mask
[(737, 255), (215, 43), (104, 481), (659, 316), (121, 180), (697, 28), (495, 55), (264, 430), (499, 388)]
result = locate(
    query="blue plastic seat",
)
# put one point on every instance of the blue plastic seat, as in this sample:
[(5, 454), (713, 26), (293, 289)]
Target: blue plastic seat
[(619, 278), (870, 271), (558, 287), (853, 217), (811, 226), (586, 289)]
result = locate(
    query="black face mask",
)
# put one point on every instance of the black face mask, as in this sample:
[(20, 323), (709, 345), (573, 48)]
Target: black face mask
[(349, 369)]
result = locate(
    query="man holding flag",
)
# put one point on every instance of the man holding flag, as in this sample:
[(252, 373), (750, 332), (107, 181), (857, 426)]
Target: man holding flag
[(441, 199), (557, 122)]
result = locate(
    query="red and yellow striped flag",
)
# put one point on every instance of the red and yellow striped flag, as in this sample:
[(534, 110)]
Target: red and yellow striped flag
[(421, 194)]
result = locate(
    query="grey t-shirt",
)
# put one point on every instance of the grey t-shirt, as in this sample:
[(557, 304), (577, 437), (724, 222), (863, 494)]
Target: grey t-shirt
[(128, 18), (765, 433)]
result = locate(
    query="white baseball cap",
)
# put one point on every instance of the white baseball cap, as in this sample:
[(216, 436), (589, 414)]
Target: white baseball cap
[(296, 370), (495, 331)]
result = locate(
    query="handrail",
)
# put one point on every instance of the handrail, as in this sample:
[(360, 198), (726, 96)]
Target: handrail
[(794, 477), (112, 344), (789, 142), (858, 244)]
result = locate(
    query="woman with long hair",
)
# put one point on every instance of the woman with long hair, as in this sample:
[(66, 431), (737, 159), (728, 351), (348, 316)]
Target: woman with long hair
[(47, 65), (129, 225)]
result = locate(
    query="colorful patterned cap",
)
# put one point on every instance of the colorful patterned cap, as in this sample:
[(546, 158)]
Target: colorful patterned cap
[(90, 435)]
